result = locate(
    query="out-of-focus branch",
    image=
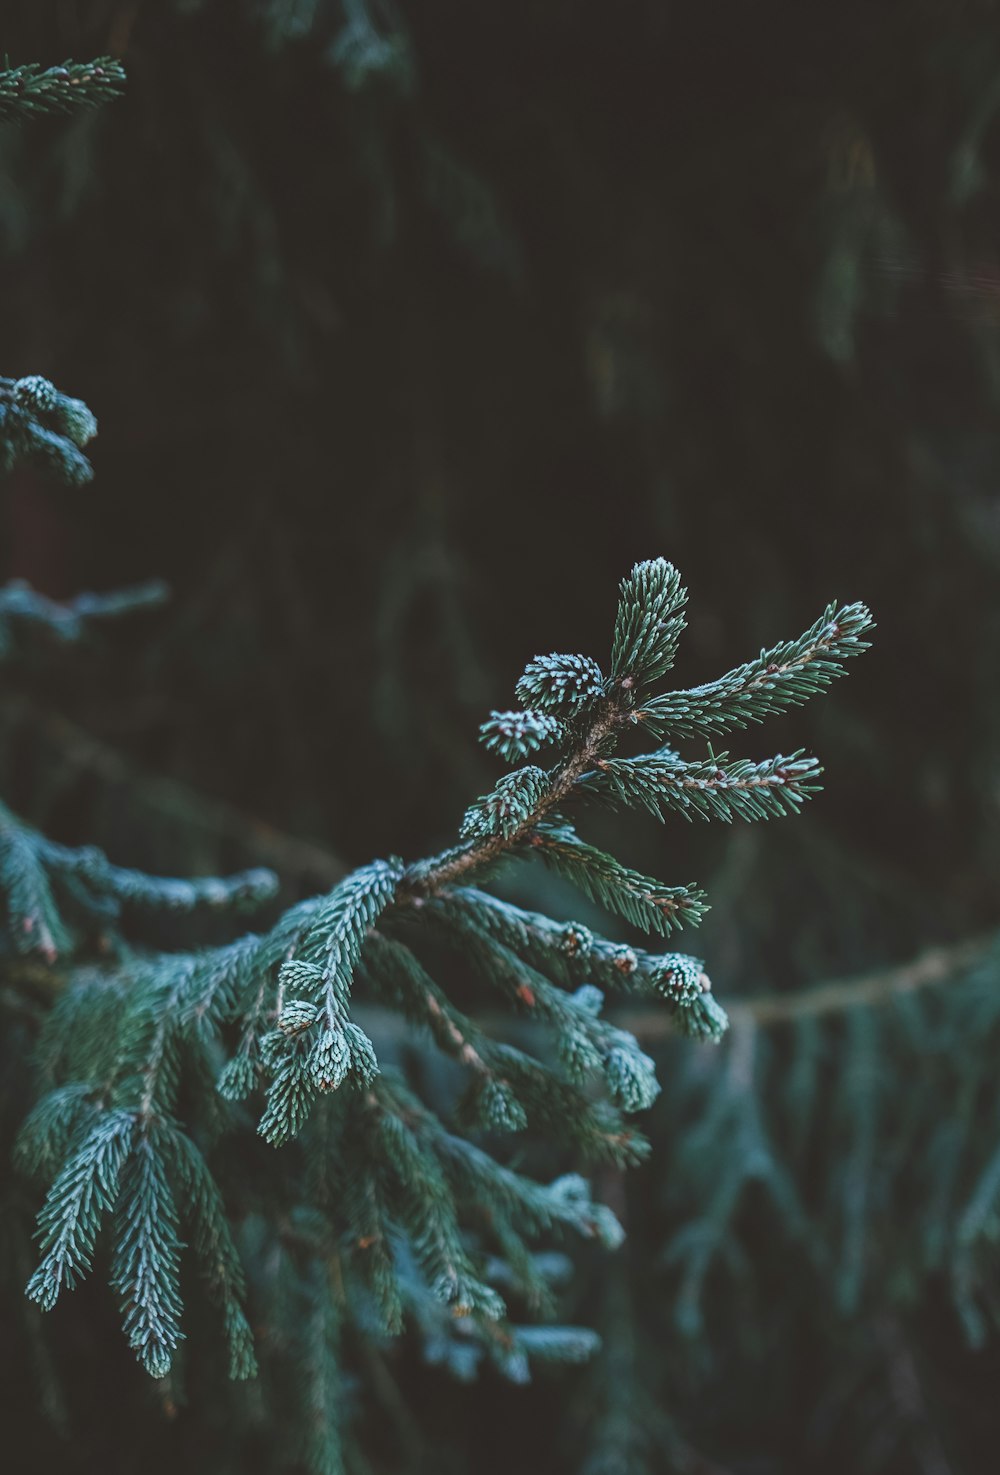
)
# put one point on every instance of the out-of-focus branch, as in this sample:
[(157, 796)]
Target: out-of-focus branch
[(865, 990), (79, 750)]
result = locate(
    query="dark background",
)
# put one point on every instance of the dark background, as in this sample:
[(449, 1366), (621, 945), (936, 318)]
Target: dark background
[(410, 329)]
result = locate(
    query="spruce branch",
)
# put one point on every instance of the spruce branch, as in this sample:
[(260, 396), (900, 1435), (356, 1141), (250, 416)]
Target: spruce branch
[(712, 788), (375, 1171), (640, 900), (42, 427), (166, 803), (23, 610), (36, 872), (784, 676), (932, 968), (35, 91), (650, 623)]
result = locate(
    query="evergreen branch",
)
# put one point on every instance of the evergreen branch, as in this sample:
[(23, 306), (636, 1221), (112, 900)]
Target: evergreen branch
[(516, 734), (639, 899), (85, 1188), (650, 622), (145, 1255), (785, 676), (712, 788), (502, 822), (41, 426), (565, 684), (577, 955), (22, 608), (416, 993), (131, 1035), (168, 800), (316, 1046), (217, 1251), (35, 91), (34, 924), (935, 966)]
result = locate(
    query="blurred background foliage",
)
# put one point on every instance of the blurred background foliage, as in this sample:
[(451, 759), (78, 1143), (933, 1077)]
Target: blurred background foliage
[(409, 328)]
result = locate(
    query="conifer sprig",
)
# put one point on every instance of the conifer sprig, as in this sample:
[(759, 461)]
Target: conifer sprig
[(23, 611), (409, 1208), (784, 676), (35, 91), (44, 428)]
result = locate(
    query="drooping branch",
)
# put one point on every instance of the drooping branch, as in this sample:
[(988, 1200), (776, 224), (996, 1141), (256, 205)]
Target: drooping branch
[(936, 965)]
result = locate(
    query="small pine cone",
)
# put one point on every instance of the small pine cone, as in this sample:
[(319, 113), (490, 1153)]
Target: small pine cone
[(516, 734)]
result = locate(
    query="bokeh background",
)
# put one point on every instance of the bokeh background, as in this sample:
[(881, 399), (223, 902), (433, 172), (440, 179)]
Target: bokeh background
[(409, 329)]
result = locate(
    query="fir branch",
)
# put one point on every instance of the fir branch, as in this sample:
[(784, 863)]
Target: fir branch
[(516, 734), (42, 427), (22, 609), (145, 1255), (565, 684), (33, 869), (930, 969), (639, 899), (83, 1191), (649, 624), (129, 1034), (713, 788), (574, 953), (784, 676), (35, 91)]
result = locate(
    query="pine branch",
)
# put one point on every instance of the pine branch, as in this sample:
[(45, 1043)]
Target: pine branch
[(650, 623), (42, 427), (33, 870), (640, 900), (929, 969), (376, 1170), (170, 801), (710, 789), (23, 609), (35, 91), (784, 676)]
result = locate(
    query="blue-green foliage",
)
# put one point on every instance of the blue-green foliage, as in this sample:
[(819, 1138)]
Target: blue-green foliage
[(383, 1208), (34, 91), (563, 684), (44, 428), (784, 676), (54, 895), (25, 613), (807, 1154), (650, 623)]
